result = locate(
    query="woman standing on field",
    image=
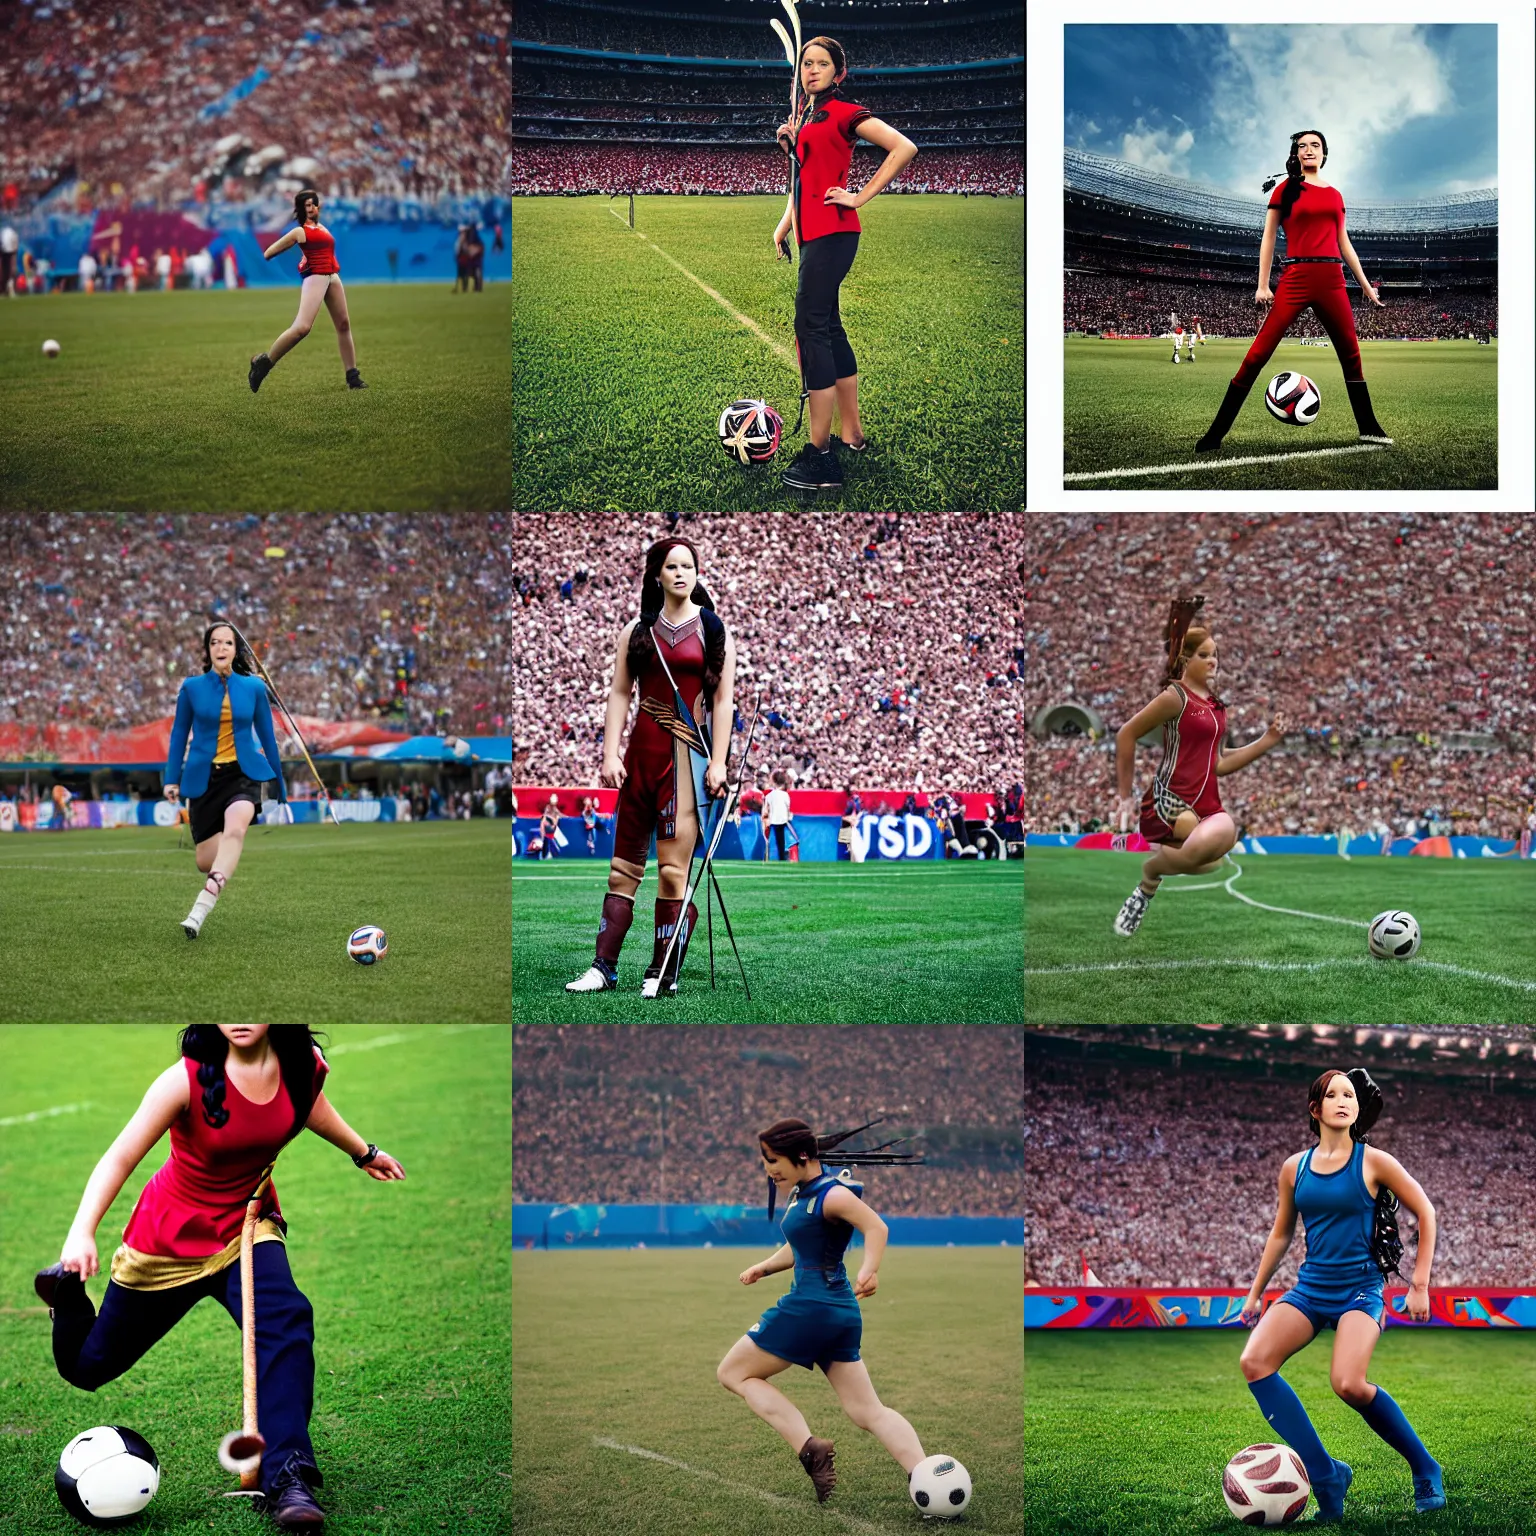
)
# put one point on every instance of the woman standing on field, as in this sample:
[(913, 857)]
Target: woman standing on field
[(818, 1322), (1344, 1191), (238, 1095)]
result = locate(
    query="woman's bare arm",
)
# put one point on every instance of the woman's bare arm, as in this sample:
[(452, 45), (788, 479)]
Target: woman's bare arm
[(617, 711), (1164, 707), (278, 246), (324, 1121), (166, 1099)]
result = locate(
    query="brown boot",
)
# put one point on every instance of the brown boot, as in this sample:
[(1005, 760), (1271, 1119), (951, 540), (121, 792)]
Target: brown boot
[(816, 1457)]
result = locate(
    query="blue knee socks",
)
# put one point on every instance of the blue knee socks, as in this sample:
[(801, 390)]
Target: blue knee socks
[(1386, 1418), (1280, 1405)]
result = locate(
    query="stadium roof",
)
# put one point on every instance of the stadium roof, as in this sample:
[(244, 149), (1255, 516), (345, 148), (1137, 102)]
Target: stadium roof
[(1122, 182)]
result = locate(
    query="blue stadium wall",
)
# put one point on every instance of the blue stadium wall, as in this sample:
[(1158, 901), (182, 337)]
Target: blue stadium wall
[(730, 1226), (900, 838)]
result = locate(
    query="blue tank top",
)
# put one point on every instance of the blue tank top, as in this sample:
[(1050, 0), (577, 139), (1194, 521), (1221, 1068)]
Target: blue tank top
[(1338, 1210), (818, 1240)]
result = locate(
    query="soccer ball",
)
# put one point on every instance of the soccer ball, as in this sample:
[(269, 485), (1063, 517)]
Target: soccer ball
[(1293, 398), (750, 431), (368, 945), (1394, 936), (1266, 1485), (50, 349), (940, 1487), (106, 1476)]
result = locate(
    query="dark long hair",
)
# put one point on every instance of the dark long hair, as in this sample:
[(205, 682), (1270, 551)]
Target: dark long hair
[(299, 199), (642, 643), (795, 1140), (292, 1044), (242, 662), (1293, 178)]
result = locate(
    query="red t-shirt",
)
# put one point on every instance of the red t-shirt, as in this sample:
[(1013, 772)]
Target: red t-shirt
[(1315, 221), (318, 252), (826, 156), (194, 1206)]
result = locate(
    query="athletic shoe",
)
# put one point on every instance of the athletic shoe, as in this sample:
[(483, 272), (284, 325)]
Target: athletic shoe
[(289, 1500), (1429, 1492), (355, 379), (814, 470), (1330, 1491), (261, 366), (1132, 912), (49, 1282), (816, 1457), (593, 979)]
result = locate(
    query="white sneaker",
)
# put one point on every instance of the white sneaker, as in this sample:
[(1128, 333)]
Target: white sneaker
[(590, 980)]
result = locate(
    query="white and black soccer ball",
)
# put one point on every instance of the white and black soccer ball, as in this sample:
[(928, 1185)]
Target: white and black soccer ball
[(940, 1487), (1293, 398), (750, 431), (1393, 935), (1266, 1485), (367, 945), (107, 1475)]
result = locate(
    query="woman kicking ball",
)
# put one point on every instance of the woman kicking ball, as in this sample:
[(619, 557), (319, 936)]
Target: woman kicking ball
[(227, 714), (237, 1096), (1338, 1188), (818, 1322), (320, 283), (1181, 811)]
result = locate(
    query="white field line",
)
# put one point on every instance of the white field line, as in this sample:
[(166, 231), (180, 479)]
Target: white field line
[(795, 1506), (1257, 458), (1231, 881), (46, 1114), (1278, 965), (777, 348)]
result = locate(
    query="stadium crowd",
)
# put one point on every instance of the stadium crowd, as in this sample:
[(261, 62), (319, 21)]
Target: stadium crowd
[(1140, 305), (575, 170), (407, 98), (1161, 1177), (1377, 635), (883, 648), (648, 1115), (358, 617)]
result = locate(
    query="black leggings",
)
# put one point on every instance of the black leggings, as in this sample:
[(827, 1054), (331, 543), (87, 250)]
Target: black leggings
[(825, 353)]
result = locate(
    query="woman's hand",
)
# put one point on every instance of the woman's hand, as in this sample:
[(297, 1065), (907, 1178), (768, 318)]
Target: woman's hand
[(384, 1168), (1253, 1308), (614, 773), (843, 198), (1276, 732), (714, 779), (173, 793), (752, 1275), (1128, 813), (1418, 1302), (1374, 295), (786, 136), (866, 1283), (79, 1254), (1262, 296)]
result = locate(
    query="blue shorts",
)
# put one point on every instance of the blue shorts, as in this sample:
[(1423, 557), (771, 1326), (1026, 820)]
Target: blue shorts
[(809, 1333), (1325, 1302)]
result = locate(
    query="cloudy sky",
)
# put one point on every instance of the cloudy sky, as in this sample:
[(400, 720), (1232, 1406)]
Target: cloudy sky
[(1408, 111)]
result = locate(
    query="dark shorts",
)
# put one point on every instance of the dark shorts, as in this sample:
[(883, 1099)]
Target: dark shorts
[(1325, 1302), (226, 786), (809, 1333)]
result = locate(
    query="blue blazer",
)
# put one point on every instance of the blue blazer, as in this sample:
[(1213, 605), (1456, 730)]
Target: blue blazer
[(199, 705)]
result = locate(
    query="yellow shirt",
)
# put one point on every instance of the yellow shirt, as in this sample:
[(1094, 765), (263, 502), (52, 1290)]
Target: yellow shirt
[(225, 751)]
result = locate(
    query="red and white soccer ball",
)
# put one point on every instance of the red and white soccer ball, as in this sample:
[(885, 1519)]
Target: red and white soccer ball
[(1293, 398), (1266, 1485)]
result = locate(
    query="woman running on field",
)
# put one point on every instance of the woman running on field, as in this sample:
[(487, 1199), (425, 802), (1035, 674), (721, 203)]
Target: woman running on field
[(1352, 1243), (320, 283), (228, 717), (818, 1321), (237, 1096), (1316, 244), (675, 764), (1181, 810)]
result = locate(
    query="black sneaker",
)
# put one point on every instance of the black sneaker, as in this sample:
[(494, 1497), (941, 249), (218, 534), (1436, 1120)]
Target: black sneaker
[(814, 469), (261, 366), (355, 379)]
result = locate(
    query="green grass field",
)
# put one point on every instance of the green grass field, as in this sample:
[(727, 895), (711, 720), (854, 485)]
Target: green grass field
[(409, 1283), (1204, 956), (920, 943), (1127, 1431), (622, 1347), (622, 362), (92, 926), (1126, 407), (147, 407)]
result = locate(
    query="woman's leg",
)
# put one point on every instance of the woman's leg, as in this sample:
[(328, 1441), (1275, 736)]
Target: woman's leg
[(848, 409), (820, 430), (1282, 1331), (1206, 846), (856, 1392), (311, 296), (237, 818), (744, 1371), (1352, 1350), (336, 302)]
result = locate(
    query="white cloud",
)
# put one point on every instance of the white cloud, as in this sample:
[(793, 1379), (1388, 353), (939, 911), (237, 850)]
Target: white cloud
[(1358, 85), (1158, 149)]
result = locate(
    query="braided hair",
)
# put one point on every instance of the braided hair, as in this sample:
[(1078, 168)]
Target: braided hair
[(292, 1044), (795, 1140), (1293, 177)]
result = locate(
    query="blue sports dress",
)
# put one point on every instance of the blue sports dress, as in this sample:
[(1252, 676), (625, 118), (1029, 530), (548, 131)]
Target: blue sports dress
[(818, 1321), (1338, 1274)]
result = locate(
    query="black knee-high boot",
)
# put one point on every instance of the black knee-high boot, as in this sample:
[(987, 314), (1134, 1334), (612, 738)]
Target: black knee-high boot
[(1371, 430), (1236, 394)]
